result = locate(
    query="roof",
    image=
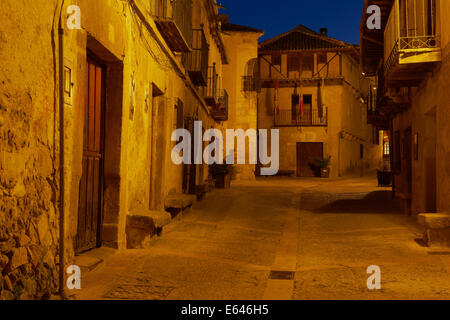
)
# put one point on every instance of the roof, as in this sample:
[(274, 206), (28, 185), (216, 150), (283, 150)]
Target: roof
[(239, 28), (302, 38)]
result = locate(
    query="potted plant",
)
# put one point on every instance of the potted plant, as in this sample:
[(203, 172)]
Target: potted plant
[(384, 175), (221, 173), (324, 166)]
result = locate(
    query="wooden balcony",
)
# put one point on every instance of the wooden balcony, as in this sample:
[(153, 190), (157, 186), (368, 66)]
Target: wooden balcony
[(411, 43), (174, 21), (310, 118), (196, 61), (384, 103), (220, 111)]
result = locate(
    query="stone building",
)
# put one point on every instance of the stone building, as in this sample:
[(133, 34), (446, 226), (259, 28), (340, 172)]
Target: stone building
[(87, 111), (311, 88), (410, 58)]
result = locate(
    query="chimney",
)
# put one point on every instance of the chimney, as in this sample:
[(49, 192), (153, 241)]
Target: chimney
[(324, 32)]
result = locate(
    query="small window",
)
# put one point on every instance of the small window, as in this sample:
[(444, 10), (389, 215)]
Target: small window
[(386, 149), (361, 151), (180, 114), (307, 99)]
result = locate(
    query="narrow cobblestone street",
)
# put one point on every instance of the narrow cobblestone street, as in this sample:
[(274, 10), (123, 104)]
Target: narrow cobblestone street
[(226, 247)]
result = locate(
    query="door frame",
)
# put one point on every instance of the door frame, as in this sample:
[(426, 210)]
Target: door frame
[(101, 180)]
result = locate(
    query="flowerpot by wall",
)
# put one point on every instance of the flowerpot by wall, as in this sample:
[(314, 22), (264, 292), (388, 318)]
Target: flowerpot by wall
[(325, 172)]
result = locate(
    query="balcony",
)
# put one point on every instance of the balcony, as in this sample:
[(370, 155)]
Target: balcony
[(174, 21), (196, 61), (383, 103), (220, 111), (310, 118), (411, 43), (211, 91)]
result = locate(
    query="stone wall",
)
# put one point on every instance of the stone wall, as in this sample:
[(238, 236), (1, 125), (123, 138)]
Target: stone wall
[(28, 168)]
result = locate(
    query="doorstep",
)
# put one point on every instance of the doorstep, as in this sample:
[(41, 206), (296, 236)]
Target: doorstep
[(90, 260)]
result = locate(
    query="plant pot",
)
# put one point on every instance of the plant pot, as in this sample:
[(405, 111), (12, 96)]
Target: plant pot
[(325, 172), (384, 178)]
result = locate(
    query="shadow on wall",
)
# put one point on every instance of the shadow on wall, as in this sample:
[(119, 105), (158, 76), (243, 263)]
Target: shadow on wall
[(377, 202)]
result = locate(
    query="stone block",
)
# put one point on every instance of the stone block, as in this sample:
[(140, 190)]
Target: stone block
[(138, 230), (437, 226), (179, 201), (434, 220), (19, 258)]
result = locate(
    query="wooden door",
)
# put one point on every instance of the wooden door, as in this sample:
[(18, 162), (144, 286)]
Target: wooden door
[(90, 195), (307, 152)]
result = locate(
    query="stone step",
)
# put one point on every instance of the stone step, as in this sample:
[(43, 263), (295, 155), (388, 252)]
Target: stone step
[(435, 220), (437, 233), (179, 201), (143, 225)]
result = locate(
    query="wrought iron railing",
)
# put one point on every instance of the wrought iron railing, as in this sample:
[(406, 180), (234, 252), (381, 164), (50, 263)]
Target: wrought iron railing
[(196, 61), (407, 32), (213, 85), (220, 111), (309, 118)]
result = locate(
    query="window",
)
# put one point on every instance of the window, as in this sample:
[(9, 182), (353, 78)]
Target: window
[(307, 99), (386, 150), (361, 151), (180, 114)]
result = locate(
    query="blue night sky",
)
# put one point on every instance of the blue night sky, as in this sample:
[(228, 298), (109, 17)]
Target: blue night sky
[(342, 18)]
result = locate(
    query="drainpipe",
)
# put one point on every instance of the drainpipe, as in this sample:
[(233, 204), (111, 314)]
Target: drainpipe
[(61, 152)]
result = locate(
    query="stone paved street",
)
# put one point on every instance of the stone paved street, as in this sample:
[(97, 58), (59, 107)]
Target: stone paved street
[(325, 232)]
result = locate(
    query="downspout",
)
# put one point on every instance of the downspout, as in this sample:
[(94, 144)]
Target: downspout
[(61, 152)]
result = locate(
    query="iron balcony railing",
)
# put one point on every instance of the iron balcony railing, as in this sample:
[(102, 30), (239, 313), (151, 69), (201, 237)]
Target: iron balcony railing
[(411, 27), (196, 61), (310, 118), (220, 111), (213, 86), (178, 12)]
